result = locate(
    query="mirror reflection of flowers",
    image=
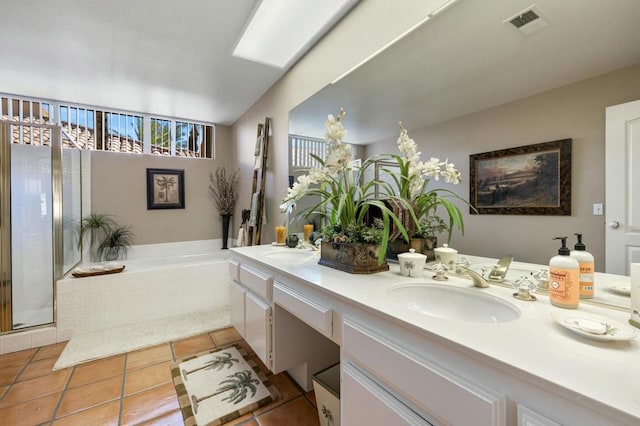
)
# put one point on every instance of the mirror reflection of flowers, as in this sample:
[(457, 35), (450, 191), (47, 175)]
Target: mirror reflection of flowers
[(344, 197), (409, 181)]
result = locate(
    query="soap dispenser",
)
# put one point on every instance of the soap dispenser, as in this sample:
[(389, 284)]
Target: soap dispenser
[(587, 267), (564, 278)]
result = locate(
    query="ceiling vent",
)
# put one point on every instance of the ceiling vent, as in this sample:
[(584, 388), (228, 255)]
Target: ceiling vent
[(528, 21), (524, 19)]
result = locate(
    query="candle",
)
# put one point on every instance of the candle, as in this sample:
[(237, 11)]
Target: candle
[(280, 234), (308, 229)]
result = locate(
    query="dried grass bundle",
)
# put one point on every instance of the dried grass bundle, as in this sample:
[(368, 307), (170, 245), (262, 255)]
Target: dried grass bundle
[(223, 190)]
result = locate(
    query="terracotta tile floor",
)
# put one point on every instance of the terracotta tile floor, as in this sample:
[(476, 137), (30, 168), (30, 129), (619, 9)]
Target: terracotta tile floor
[(130, 389)]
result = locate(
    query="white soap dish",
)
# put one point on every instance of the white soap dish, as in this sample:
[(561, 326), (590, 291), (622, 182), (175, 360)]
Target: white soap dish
[(594, 326)]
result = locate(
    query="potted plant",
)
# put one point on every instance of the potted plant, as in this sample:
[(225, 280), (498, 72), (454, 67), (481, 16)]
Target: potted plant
[(409, 179), (223, 190), (95, 227), (425, 239), (116, 243), (357, 232)]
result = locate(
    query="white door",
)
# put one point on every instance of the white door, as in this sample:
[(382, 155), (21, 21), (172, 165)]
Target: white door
[(622, 187)]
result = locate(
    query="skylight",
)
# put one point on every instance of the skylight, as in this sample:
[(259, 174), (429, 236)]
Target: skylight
[(280, 31)]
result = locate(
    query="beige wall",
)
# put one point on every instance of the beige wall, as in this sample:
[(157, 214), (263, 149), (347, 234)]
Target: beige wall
[(576, 111), (118, 188), (344, 47)]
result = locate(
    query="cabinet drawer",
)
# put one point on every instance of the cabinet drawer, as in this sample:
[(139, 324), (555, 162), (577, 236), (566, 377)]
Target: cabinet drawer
[(360, 394), (257, 282), (438, 392), (316, 315), (528, 417), (234, 270)]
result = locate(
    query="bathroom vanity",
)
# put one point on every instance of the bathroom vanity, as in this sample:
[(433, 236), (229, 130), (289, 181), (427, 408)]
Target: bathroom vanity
[(402, 366)]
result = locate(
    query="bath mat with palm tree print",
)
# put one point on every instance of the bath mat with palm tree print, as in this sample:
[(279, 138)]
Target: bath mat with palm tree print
[(217, 387)]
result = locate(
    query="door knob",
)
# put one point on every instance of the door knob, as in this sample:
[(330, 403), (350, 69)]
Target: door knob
[(614, 224)]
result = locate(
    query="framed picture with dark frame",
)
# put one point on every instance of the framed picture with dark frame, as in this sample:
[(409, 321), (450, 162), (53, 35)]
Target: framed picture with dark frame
[(526, 180), (165, 189)]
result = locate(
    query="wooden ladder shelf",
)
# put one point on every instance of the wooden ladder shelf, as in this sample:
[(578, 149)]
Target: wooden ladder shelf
[(258, 187)]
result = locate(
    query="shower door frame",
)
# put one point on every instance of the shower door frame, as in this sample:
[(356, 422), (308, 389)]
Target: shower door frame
[(6, 314)]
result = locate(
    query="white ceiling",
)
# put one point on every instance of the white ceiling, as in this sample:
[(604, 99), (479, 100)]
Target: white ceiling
[(168, 57), (466, 60)]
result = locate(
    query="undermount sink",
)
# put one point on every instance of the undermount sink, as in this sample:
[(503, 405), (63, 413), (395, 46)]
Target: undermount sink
[(453, 303), (290, 254)]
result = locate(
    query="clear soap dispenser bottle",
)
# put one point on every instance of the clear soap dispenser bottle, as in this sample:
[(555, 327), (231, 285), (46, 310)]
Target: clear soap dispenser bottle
[(564, 278), (587, 268)]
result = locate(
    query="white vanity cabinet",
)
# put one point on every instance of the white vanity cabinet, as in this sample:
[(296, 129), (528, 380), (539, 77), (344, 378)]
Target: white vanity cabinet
[(237, 295), (359, 394), (250, 308), (528, 417), (288, 330), (432, 391), (306, 308), (398, 368)]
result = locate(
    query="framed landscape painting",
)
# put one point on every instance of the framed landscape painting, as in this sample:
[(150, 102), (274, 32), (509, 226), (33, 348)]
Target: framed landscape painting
[(526, 180), (165, 189)]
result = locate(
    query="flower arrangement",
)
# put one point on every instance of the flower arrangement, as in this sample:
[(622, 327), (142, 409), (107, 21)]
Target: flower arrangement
[(345, 197), (409, 181)]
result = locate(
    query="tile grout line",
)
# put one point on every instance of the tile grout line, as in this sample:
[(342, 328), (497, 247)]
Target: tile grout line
[(124, 381), (62, 394), (15, 379), (72, 372)]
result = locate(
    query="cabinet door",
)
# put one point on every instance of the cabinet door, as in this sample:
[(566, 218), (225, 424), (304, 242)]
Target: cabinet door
[(236, 307), (360, 395), (258, 327), (432, 387), (528, 417)]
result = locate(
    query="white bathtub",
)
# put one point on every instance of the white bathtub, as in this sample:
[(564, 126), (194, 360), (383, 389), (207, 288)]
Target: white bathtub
[(159, 281)]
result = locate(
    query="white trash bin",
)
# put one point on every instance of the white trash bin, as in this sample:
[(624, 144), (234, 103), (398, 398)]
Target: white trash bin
[(326, 385)]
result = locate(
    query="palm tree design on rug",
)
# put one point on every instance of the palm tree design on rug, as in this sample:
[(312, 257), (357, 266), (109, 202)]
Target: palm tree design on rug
[(327, 415), (217, 362), (240, 383)]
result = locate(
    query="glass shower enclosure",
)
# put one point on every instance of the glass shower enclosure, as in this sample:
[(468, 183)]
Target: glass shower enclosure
[(40, 211)]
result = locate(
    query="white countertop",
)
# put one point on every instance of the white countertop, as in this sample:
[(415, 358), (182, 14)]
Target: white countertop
[(608, 372)]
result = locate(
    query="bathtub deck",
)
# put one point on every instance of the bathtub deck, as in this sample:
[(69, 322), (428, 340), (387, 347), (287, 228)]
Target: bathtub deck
[(104, 343)]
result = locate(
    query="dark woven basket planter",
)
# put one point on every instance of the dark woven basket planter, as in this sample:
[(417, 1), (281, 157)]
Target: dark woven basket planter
[(352, 258)]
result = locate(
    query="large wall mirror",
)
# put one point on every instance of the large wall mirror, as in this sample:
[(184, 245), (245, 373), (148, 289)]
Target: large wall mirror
[(469, 58)]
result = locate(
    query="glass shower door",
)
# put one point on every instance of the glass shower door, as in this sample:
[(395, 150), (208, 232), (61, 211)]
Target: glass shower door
[(31, 235)]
